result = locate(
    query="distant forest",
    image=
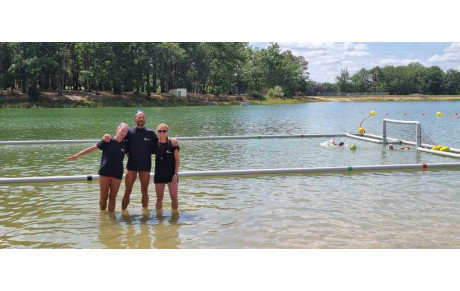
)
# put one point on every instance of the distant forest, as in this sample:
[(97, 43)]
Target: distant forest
[(200, 67)]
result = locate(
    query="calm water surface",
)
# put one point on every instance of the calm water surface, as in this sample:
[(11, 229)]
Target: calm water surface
[(401, 209)]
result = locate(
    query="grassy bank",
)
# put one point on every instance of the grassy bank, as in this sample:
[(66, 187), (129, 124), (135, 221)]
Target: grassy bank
[(70, 99)]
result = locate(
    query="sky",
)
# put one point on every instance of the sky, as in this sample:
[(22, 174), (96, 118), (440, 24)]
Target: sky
[(327, 59)]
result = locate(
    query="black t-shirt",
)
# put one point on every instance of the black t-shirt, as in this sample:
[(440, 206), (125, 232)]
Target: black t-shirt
[(140, 145), (113, 153), (165, 162)]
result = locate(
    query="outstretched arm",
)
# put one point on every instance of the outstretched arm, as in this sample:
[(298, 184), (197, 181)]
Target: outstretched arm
[(83, 152)]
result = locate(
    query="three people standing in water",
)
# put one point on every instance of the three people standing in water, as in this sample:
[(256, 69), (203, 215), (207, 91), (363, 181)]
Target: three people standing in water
[(141, 143)]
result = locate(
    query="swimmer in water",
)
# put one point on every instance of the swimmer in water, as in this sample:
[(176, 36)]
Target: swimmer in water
[(390, 147), (340, 144)]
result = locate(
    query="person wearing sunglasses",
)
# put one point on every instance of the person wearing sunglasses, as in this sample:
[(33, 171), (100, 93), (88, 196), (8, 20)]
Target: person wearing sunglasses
[(167, 165), (111, 169), (141, 145)]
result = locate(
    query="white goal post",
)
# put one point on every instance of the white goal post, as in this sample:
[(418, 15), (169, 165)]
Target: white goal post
[(418, 129)]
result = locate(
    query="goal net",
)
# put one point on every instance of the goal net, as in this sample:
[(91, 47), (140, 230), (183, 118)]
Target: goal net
[(410, 132)]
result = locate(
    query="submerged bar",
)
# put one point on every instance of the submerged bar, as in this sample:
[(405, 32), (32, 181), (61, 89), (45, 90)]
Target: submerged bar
[(245, 172)]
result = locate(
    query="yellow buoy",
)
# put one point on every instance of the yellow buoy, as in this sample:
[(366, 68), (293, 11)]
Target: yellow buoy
[(445, 149), (361, 130), (352, 147), (438, 114), (372, 113)]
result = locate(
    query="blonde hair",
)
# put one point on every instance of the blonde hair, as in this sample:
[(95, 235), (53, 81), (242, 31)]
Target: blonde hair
[(121, 125), (165, 125)]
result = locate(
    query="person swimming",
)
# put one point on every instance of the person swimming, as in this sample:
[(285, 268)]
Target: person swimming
[(340, 144), (390, 147)]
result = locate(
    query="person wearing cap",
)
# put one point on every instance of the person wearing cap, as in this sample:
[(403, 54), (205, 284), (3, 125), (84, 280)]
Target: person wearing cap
[(141, 145)]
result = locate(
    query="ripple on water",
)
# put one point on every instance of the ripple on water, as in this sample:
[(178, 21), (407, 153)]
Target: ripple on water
[(366, 210)]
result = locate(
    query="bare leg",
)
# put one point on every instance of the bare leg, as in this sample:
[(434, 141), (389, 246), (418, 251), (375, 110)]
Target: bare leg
[(173, 190), (144, 177), (104, 185), (129, 182), (114, 186), (160, 191)]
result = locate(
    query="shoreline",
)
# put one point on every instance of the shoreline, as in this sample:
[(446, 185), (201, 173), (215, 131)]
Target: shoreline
[(73, 99)]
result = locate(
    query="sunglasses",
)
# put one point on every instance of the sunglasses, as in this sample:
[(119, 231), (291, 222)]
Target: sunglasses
[(162, 130)]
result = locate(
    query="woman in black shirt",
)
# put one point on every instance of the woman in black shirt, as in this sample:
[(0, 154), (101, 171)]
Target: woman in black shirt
[(167, 164), (111, 169)]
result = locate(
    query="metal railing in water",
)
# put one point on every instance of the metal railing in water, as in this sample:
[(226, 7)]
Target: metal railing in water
[(247, 172)]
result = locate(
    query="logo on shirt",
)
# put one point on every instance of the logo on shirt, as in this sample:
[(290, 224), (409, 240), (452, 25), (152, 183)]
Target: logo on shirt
[(168, 152), (146, 139), (123, 150)]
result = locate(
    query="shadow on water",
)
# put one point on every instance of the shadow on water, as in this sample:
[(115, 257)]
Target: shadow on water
[(140, 231)]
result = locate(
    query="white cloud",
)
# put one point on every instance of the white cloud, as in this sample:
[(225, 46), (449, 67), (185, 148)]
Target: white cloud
[(326, 59), (399, 62), (327, 49), (451, 53)]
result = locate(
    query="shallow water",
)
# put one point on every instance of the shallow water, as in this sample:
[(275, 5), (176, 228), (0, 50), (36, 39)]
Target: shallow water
[(386, 209)]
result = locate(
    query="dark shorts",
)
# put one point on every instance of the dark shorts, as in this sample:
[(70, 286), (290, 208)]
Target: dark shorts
[(163, 180)]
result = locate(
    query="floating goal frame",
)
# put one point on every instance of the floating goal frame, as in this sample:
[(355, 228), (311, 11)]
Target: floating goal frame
[(418, 129)]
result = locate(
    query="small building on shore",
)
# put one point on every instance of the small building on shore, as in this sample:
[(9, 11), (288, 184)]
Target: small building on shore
[(179, 92)]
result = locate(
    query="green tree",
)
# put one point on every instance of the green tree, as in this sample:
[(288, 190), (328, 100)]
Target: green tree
[(6, 61), (343, 81), (432, 80), (361, 81), (451, 82), (376, 80)]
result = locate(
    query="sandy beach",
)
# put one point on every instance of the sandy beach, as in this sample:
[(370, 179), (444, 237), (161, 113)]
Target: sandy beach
[(74, 98)]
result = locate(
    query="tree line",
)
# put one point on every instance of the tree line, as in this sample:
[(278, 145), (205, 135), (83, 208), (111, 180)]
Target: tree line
[(399, 80), (201, 67)]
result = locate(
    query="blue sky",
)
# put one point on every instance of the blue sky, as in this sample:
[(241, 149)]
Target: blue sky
[(326, 59)]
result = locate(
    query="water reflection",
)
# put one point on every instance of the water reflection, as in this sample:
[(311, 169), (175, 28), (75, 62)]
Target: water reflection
[(134, 231), (167, 235), (110, 230)]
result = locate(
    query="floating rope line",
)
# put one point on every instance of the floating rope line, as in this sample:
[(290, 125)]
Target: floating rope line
[(246, 172)]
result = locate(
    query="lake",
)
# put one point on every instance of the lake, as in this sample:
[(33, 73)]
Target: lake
[(384, 209)]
